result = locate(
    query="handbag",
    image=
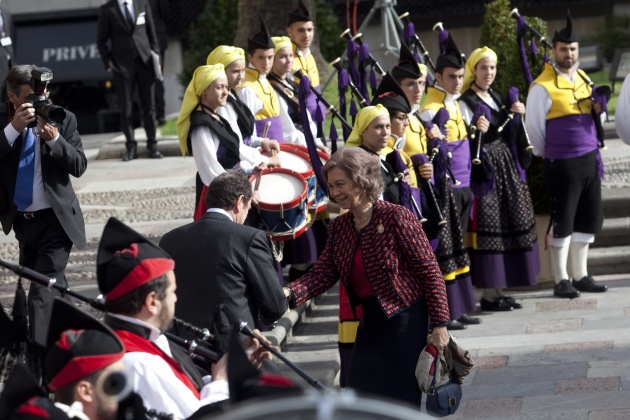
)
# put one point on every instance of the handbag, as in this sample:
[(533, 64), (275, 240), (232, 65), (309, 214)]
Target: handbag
[(443, 400)]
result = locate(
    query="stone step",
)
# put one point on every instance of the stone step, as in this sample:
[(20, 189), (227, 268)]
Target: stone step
[(609, 260), (616, 202), (615, 232)]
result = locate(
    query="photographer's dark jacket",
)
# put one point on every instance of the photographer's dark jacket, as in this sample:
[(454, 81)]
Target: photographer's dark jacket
[(65, 158), (123, 48)]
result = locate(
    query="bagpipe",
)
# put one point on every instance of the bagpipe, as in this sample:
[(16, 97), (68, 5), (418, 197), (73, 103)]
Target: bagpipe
[(521, 28), (415, 44), (204, 350)]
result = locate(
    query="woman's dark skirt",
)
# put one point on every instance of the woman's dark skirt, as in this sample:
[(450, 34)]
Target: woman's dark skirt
[(386, 352)]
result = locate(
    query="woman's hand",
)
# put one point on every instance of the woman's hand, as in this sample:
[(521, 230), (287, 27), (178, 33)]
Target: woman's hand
[(439, 337), (269, 147), (518, 108), (324, 149)]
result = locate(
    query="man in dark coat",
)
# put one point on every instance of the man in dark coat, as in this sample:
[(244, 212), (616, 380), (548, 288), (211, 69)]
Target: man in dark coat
[(37, 201), (129, 48), (160, 10), (219, 260)]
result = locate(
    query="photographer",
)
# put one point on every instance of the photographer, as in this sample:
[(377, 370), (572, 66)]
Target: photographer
[(37, 201)]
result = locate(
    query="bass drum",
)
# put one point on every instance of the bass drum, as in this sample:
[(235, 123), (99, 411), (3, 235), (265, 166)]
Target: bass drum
[(315, 406)]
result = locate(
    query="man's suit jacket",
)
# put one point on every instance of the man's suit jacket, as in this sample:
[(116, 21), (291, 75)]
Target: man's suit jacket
[(220, 261), (125, 44), (65, 158)]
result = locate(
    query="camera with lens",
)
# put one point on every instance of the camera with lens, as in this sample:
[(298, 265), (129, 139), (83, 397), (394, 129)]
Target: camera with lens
[(44, 107)]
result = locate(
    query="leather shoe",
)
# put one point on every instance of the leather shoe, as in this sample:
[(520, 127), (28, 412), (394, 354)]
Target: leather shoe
[(499, 305), (154, 153), (130, 154), (456, 325), (511, 301), (161, 121), (469, 320), (565, 289), (588, 284)]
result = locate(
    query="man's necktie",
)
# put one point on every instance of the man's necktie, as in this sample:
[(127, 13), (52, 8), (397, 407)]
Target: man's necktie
[(23, 195), (128, 15)]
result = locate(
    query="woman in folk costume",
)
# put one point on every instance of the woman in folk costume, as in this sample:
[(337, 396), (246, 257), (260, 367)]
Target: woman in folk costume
[(235, 111), (501, 233), (287, 89), (207, 136)]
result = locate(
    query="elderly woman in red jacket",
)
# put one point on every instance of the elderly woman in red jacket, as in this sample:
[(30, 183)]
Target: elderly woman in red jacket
[(381, 255)]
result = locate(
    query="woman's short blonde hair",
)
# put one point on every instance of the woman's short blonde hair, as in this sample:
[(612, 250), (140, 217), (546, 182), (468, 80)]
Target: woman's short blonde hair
[(361, 167)]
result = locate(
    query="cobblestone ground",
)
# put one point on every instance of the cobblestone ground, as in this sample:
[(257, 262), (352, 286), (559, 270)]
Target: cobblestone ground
[(617, 174), (130, 206)]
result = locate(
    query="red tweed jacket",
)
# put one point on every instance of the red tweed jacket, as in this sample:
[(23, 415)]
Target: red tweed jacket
[(400, 264)]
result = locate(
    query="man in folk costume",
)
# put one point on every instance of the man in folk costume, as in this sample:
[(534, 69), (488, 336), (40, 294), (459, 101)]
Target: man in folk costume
[(301, 30), (82, 353), (451, 252), (256, 91), (137, 281), (562, 128)]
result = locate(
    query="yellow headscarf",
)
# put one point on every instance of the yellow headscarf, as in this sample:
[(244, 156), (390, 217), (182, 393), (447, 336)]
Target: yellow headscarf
[(280, 42), (202, 78), (225, 54), (364, 117), (475, 57)]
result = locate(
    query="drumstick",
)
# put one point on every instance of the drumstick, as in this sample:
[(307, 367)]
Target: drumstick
[(257, 176), (266, 129)]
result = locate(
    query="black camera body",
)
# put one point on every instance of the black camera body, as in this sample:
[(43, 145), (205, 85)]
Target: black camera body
[(44, 107)]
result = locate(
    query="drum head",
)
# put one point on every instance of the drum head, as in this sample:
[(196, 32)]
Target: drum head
[(295, 162), (279, 188)]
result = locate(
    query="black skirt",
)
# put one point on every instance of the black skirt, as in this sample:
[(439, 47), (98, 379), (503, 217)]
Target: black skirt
[(386, 352)]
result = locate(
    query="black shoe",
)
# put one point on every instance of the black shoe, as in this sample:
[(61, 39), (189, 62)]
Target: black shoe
[(499, 305), (469, 320), (456, 325), (587, 284), (511, 301), (565, 289), (154, 153), (161, 121), (130, 154)]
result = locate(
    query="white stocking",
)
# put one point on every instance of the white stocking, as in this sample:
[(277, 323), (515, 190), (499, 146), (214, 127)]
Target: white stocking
[(579, 257), (559, 257)]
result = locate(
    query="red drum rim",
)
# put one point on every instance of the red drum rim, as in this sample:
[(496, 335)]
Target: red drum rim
[(304, 149), (285, 236), (297, 150), (318, 207), (290, 204)]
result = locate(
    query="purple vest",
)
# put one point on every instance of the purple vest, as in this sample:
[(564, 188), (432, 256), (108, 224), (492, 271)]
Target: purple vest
[(570, 136), (275, 129)]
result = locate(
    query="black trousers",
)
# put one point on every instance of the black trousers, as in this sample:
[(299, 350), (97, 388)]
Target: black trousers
[(45, 248), (125, 83)]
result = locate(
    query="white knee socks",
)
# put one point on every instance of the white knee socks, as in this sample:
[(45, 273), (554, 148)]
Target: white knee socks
[(579, 258), (559, 257)]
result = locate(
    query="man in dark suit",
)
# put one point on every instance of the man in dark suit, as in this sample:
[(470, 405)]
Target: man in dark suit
[(160, 10), (219, 260), (127, 43), (37, 201), (7, 36)]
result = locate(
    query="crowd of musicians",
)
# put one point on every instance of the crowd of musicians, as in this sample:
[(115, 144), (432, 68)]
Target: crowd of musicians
[(433, 202)]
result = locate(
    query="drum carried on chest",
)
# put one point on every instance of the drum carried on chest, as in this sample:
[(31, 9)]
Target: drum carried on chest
[(295, 158), (283, 205)]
